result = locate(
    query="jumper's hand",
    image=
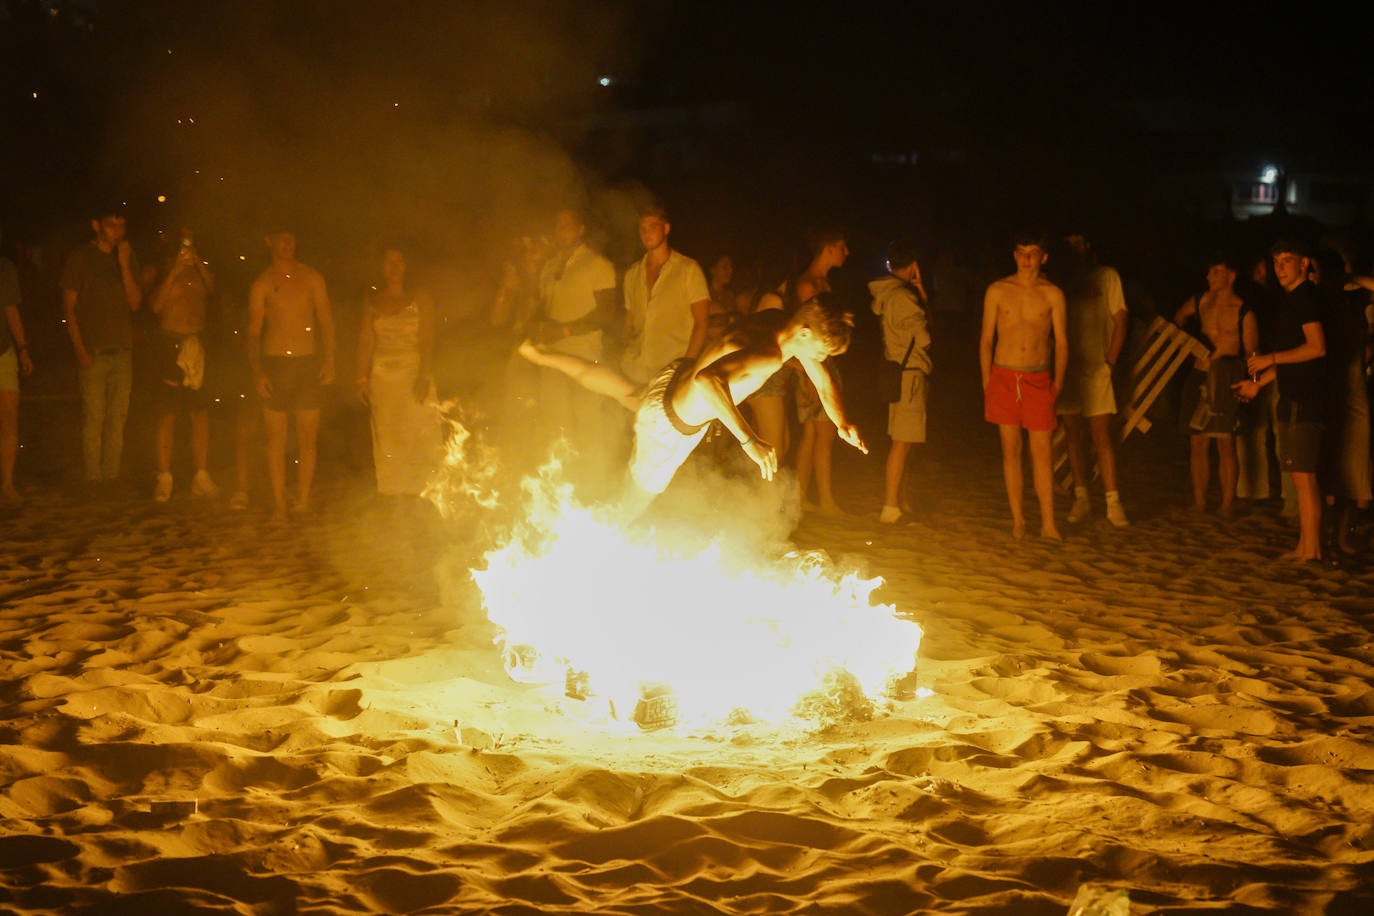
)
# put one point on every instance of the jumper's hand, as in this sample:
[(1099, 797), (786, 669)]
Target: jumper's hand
[(764, 456), (850, 433), (1258, 362)]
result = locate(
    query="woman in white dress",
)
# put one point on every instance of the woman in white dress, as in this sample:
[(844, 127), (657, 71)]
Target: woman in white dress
[(395, 354)]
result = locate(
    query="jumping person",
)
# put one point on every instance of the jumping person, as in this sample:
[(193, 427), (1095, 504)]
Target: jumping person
[(674, 410)]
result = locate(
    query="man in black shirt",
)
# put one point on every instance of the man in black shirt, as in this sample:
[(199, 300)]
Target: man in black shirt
[(1297, 363), (100, 292)]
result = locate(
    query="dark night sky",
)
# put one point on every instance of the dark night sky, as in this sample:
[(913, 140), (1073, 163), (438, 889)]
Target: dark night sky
[(464, 116)]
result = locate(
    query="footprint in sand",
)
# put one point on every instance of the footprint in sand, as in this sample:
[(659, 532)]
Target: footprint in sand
[(1221, 718)]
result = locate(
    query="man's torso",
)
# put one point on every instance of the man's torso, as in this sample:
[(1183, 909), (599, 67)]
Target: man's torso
[(1024, 323), (1299, 382), (1089, 314), (662, 312), (569, 288), (289, 310), (183, 308), (758, 335), (102, 304), (1220, 315)]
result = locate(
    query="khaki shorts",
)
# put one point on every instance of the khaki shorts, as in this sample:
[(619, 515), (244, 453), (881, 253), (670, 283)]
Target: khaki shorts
[(1298, 446), (906, 419)]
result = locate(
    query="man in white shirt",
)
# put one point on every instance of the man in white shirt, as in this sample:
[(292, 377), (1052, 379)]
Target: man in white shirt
[(666, 302), (1097, 324), (577, 300)]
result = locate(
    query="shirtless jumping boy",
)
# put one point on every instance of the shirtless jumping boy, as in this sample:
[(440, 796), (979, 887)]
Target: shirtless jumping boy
[(674, 410), (1023, 318), (291, 352)]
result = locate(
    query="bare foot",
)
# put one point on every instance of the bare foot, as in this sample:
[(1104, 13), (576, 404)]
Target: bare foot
[(832, 510), (1226, 511), (1051, 534), (808, 506), (1018, 530), (1200, 508), (1297, 557)]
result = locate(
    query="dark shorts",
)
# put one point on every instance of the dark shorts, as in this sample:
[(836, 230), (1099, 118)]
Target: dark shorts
[(1298, 446), (1016, 398), (295, 383), (1209, 406), (172, 396), (775, 387)]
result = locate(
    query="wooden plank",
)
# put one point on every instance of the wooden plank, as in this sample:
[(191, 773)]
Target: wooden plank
[(1141, 405)]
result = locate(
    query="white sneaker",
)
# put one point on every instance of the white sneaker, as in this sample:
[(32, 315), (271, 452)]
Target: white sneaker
[(1082, 508), (163, 490), (1117, 515), (202, 485)]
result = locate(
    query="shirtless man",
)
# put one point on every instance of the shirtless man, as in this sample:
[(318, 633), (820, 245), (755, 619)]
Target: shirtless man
[(1229, 327), (179, 302), (674, 410), (1023, 319), (291, 352)]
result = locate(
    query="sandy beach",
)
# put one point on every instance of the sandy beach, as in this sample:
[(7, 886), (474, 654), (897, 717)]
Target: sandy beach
[(202, 713)]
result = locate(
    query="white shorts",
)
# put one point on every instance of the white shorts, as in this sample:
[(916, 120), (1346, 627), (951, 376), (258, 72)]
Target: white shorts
[(662, 440), (1088, 393)]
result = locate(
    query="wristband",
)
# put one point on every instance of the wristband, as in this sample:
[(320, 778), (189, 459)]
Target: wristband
[(748, 442)]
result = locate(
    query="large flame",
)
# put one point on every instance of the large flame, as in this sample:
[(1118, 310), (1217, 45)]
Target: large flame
[(729, 634), (468, 469)]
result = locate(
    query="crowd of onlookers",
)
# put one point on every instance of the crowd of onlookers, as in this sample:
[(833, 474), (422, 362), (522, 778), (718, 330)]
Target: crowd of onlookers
[(1280, 378)]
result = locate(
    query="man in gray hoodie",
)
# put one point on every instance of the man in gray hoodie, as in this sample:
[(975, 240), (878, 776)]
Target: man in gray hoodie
[(900, 300)]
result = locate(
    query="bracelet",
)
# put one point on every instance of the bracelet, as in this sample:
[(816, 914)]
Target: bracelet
[(748, 442)]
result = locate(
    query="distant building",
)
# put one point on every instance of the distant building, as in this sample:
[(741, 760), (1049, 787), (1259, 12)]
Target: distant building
[(1333, 199)]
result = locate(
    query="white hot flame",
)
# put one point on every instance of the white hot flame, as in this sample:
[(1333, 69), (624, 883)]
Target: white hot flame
[(729, 633)]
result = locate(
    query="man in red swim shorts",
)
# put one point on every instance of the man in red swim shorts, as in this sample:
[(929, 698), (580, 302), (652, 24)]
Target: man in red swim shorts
[(1023, 318)]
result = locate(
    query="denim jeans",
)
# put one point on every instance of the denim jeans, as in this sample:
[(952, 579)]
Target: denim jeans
[(105, 387)]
